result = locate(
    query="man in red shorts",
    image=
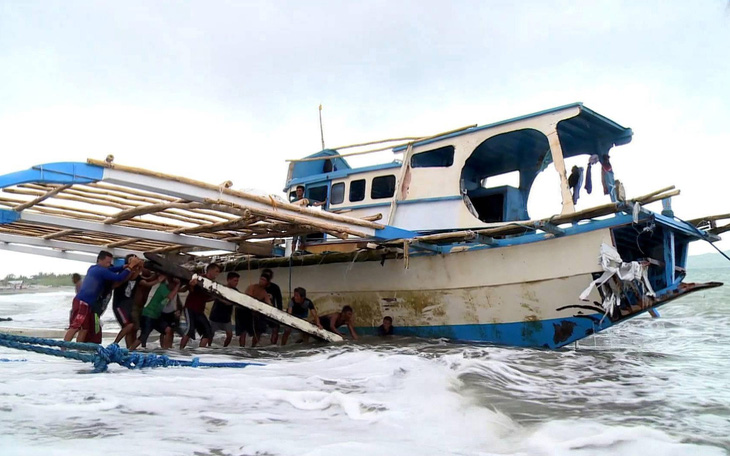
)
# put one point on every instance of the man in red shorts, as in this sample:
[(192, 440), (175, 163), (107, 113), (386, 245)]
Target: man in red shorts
[(87, 305)]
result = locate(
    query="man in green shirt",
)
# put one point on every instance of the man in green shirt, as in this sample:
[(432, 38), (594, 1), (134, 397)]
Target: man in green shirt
[(152, 312)]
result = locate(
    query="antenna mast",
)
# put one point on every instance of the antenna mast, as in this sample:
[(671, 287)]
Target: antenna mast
[(321, 129)]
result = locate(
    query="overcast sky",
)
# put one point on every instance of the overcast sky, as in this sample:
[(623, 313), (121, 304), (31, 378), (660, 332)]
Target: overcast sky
[(228, 90)]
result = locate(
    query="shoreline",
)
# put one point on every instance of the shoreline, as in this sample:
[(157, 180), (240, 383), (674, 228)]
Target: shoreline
[(35, 290)]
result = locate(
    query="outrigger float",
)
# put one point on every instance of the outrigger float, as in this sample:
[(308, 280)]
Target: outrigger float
[(426, 239)]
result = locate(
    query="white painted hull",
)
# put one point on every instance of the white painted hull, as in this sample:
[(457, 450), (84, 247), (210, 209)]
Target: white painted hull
[(465, 295)]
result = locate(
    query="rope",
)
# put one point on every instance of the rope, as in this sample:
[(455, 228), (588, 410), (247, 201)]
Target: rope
[(101, 357)]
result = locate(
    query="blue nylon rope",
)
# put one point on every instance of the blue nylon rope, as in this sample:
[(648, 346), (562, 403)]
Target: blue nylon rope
[(101, 357)]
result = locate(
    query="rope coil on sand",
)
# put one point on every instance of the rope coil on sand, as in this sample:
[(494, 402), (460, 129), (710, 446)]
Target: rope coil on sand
[(101, 356)]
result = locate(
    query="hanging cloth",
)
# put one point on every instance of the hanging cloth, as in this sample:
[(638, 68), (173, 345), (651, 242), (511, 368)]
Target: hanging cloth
[(589, 182)]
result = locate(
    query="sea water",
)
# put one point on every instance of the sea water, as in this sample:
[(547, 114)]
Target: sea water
[(646, 387)]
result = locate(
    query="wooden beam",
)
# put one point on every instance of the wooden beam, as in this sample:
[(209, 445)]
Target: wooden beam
[(59, 234), (236, 297), (150, 209), (43, 197)]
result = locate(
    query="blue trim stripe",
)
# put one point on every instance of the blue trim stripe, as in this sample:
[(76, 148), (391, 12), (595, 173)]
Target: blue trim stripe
[(552, 334), (55, 173), (626, 132), (8, 216), (434, 199), (391, 232), (360, 206)]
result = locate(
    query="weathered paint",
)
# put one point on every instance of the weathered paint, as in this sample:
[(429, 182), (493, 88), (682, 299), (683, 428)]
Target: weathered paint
[(481, 290)]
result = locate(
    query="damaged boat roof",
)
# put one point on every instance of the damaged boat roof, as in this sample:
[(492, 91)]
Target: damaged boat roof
[(73, 210)]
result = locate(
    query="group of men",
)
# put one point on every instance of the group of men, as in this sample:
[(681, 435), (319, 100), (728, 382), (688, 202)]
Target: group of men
[(129, 286)]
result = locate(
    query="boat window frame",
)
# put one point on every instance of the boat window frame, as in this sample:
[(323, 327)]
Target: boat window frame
[(450, 150), (375, 185), (333, 193), (355, 184)]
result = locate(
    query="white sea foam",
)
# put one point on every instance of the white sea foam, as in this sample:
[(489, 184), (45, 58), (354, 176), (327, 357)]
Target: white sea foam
[(639, 392)]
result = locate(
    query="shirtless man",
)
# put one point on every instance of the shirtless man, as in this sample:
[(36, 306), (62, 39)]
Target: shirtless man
[(146, 280), (332, 321), (249, 321)]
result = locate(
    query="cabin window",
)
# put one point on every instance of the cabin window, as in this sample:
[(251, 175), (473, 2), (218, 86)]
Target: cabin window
[(357, 190), (438, 158), (317, 194), (338, 193), (383, 187)]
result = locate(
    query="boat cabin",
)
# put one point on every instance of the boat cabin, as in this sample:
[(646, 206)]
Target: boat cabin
[(464, 180)]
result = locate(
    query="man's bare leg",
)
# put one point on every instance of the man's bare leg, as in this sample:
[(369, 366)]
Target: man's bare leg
[(229, 336), (81, 337), (123, 333), (167, 340), (131, 337), (204, 342), (184, 341), (242, 340), (70, 333), (285, 337), (274, 335)]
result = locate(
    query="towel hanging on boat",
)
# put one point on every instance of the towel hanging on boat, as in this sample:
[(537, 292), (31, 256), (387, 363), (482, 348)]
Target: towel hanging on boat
[(613, 265)]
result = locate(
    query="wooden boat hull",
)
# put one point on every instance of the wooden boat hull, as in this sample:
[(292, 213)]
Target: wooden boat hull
[(520, 295)]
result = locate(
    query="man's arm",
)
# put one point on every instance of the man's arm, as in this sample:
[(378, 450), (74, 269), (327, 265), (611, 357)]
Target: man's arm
[(352, 330), (115, 276), (332, 320), (175, 289), (278, 299), (151, 282), (316, 318)]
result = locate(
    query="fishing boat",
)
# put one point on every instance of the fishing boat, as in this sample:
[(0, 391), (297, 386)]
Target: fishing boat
[(434, 239)]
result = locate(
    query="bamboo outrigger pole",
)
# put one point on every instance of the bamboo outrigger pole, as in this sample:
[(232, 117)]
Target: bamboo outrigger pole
[(380, 149)]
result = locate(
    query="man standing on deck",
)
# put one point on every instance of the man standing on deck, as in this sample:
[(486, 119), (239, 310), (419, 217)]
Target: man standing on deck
[(86, 305), (248, 320), (195, 309), (276, 300), (220, 314), (332, 321)]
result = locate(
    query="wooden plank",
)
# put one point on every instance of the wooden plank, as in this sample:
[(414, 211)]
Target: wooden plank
[(234, 296)]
